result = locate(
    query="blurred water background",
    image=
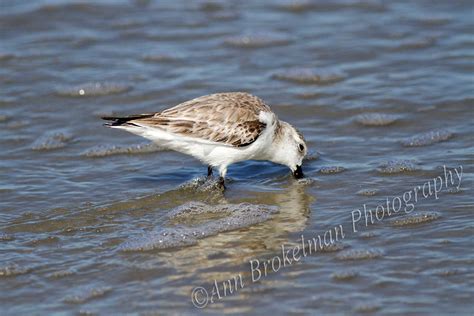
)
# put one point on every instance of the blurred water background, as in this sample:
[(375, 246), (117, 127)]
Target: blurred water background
[(98, 221)]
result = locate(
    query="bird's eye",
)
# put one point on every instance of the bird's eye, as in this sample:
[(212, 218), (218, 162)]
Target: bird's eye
[(301, 147)]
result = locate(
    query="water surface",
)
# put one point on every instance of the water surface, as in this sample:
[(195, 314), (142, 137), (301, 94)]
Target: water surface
[(99, 221)]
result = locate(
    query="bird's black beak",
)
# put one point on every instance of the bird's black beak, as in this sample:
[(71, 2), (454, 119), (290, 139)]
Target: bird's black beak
[(298, 173)]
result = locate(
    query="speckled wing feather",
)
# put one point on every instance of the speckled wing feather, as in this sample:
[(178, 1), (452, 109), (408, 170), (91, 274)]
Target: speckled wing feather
[(229, 118)]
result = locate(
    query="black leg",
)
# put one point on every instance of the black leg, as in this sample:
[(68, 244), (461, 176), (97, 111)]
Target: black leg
[(222, 182), (209, 171)]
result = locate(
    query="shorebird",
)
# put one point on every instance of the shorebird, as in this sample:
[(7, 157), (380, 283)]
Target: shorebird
[(221, 129)]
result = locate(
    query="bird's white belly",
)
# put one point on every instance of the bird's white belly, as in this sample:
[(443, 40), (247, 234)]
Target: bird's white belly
[(208, 152), (214, 155)]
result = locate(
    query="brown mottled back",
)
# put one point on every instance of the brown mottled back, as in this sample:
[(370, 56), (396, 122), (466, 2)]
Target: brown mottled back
[(231, 118)]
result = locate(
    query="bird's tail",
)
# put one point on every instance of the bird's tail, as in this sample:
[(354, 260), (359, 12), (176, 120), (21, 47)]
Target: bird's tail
[(124, 120)]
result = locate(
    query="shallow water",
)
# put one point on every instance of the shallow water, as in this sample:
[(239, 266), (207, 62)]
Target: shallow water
[(95, 220)]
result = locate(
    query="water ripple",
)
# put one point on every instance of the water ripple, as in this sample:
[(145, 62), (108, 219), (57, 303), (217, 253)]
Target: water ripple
[(87, 295), (360, 254), (93, 89), (231, 217), (415, 219), (376, 119), (397, 166), (13, 270), (332, 170), (100, 151), (309, 76), (256, 40), (428, 138), (51, 141)]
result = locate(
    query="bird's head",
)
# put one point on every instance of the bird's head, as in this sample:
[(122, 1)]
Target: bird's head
[(290, 148)]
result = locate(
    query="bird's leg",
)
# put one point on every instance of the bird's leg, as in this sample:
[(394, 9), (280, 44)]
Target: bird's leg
[(209, 172), (222, 173), (222, 182)]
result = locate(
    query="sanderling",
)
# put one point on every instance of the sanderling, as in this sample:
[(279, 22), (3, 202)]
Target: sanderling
[(221, 129)]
